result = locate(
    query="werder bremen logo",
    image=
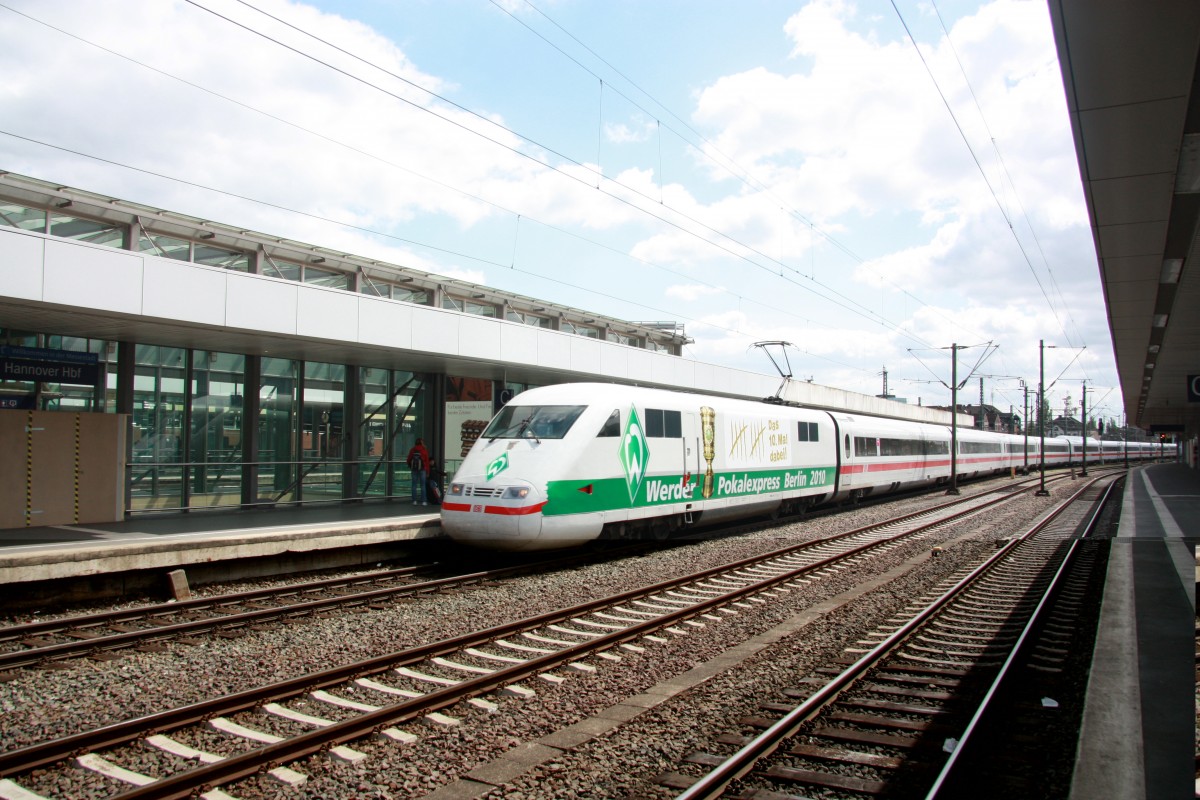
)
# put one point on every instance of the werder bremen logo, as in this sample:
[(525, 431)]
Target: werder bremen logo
[(497, 466), (635, 454)]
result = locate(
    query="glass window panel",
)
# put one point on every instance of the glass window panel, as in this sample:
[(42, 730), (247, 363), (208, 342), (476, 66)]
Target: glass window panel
[(281, 269), (326, 277), (532, 422), (220, 257), (156, 472), (375, 288), (612, 425), (374, 429), (674, 424), (323, 430), (87, 230), (468, 306), (23, 217), (409, 422), (68, 396), (165, 246), (410, 295), (526, 318), (215, 443), (278, 428), (654, 422)]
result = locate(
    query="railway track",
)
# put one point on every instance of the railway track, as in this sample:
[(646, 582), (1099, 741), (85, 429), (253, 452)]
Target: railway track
[(148, 628), (895, 715), (330, 710)]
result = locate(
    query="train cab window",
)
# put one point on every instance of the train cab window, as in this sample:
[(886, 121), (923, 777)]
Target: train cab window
[(532, 422), (661, 424), (807, 432), (612, 425)]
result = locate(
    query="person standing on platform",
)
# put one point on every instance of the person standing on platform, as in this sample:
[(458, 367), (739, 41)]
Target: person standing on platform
[(418, 462)]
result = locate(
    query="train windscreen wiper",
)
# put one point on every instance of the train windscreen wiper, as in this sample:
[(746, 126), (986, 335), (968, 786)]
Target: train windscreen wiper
[(512, 431)]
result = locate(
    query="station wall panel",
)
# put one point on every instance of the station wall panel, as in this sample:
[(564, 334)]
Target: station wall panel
[(554, 350), (585, 355), (614, 362), (434, 331), (684, 371), (326, 314), (22, 263), (641, 366), (261, 304), (386, 323), (93, 277), (519, 343), (176, 290), (478, 338)]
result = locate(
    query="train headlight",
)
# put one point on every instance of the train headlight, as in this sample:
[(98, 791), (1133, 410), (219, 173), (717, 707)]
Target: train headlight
[(516, 493), (456, 488)]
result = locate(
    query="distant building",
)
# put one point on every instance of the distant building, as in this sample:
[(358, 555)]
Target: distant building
[(992, 418), (1065, 426)]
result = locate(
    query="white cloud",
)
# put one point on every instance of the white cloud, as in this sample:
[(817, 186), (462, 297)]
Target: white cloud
[(849, 132), (692, 291), (620, 133)]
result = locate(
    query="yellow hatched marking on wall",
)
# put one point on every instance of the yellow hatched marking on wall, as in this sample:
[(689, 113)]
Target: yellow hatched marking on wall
[(29, 470)]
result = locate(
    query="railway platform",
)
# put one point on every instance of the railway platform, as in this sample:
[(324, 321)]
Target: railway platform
[(1137, 740), (306, 537)]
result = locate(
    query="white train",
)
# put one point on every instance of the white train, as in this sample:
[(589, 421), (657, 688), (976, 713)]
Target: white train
[(563, 465)]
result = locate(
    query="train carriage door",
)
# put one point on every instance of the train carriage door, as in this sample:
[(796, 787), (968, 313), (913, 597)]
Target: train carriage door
[(690, 449)]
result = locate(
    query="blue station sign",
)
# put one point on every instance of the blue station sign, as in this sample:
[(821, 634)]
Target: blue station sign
[(43, 365)]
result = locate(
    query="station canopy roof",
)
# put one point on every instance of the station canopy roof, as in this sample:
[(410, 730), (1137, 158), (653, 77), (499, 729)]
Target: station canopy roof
[(1130, 72)]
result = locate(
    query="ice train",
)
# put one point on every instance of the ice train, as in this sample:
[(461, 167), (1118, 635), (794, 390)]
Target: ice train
[(563, 465)]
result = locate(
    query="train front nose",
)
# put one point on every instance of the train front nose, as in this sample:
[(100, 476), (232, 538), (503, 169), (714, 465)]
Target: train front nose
[(503, 516)]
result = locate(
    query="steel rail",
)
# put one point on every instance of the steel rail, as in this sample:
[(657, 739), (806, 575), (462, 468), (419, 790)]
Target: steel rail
[(1018, 652), (103, 618), (185, 784), (164, 632), (55, 652), (713, 784)]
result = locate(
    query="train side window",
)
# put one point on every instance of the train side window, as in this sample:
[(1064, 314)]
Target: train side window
[(662, 424), (847, 445), (807, 432), (654, 422), (865, 446), (612, 425), (673, 424)]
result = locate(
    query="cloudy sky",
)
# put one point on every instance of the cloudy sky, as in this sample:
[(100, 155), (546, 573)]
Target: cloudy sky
[(766, 170)]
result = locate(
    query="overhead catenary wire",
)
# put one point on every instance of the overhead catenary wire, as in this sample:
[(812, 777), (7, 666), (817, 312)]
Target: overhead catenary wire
[(416, 174), (843, 301), (1004, 166), (707, 151), (356, 227), (522, 239), (978, 165)]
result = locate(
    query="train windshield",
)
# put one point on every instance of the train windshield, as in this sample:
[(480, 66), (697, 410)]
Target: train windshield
[(533, 422)]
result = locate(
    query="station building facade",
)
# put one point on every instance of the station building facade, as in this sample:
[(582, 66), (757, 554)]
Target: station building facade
[(256, 371), (259, 370)]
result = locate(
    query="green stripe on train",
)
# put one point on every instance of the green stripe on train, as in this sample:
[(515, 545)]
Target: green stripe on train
[(607, 494)]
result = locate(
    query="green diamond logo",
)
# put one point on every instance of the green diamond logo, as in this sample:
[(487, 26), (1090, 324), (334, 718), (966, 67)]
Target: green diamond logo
[(635, 454), (497, 466)]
